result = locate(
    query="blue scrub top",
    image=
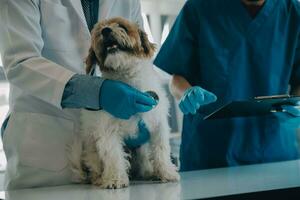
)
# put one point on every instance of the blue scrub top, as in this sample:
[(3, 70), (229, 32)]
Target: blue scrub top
[(217, 45)]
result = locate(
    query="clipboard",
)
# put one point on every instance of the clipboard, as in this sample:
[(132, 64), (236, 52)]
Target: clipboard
[(258, 106)]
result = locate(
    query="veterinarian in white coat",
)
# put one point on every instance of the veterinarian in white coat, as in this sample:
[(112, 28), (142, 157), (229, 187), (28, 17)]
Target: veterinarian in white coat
[(43, 44)]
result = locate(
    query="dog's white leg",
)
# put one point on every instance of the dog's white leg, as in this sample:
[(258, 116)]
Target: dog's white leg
[(75, 153), (91, 160), (115, 165), (164, 169)]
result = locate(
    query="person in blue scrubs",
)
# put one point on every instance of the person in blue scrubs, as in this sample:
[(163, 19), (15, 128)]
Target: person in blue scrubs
[(224, 50)]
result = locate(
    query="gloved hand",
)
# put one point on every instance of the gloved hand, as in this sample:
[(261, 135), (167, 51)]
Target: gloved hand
[(292, 110), (193, 98), (123, 101), (142, 137)]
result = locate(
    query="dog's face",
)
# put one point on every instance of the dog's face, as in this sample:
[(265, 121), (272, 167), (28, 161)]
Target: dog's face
[(115, 38)]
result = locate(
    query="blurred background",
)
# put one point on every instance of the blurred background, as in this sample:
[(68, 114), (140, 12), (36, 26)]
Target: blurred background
[(159, 16)]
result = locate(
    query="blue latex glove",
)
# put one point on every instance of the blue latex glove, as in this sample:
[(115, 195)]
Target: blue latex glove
[(292, 110), (142, 137), (193, 98), (123, 101)]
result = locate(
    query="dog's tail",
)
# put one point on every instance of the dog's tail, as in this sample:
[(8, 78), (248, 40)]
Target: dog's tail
[(75, 154)]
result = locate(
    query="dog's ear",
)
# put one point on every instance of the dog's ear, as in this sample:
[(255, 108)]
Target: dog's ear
[(149, 48), (90, 61)]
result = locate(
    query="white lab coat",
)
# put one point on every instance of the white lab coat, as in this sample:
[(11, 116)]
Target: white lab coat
[(43, 43)]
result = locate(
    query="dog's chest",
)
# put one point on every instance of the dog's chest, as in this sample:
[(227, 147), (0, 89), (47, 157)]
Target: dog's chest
[(101, 121), (142, 80)]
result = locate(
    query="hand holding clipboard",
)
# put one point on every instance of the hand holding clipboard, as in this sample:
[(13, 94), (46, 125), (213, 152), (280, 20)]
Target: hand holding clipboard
[(258, 106)]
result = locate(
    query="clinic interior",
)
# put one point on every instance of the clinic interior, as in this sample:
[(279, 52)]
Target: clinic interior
[(233, 36)]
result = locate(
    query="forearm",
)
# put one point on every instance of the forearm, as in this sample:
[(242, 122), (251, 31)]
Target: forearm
[(178, 86)]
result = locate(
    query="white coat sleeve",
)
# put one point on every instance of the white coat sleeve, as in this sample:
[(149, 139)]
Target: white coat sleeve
[(136, 13), (21, 44)]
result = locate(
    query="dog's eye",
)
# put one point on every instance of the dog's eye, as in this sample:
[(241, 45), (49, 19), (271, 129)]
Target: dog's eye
[(123, 27)]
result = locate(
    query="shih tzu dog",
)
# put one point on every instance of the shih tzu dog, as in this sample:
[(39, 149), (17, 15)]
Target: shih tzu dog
[(123, 52)]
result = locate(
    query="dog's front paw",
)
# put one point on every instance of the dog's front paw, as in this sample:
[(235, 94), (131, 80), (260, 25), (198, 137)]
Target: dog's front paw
[(113, 183), (167, 174)]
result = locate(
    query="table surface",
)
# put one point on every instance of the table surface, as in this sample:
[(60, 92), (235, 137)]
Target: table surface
[(195, 184)]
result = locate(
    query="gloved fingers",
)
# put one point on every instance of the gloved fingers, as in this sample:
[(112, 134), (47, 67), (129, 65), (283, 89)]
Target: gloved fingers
[(141, 139), (193, 98), (124, 115), (194, 102), (131, 142), (189, 105), (145, 99), (291, 110), (141, 124), (143, 136), (142, 108), (199, 97), (183, 108), (209, 97), (144, 133)]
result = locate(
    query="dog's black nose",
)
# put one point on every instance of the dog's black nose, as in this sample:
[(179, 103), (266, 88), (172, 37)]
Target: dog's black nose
[(106, 31)]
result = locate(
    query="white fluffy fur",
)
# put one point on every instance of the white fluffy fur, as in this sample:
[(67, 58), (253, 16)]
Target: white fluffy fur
[(100, 146)]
